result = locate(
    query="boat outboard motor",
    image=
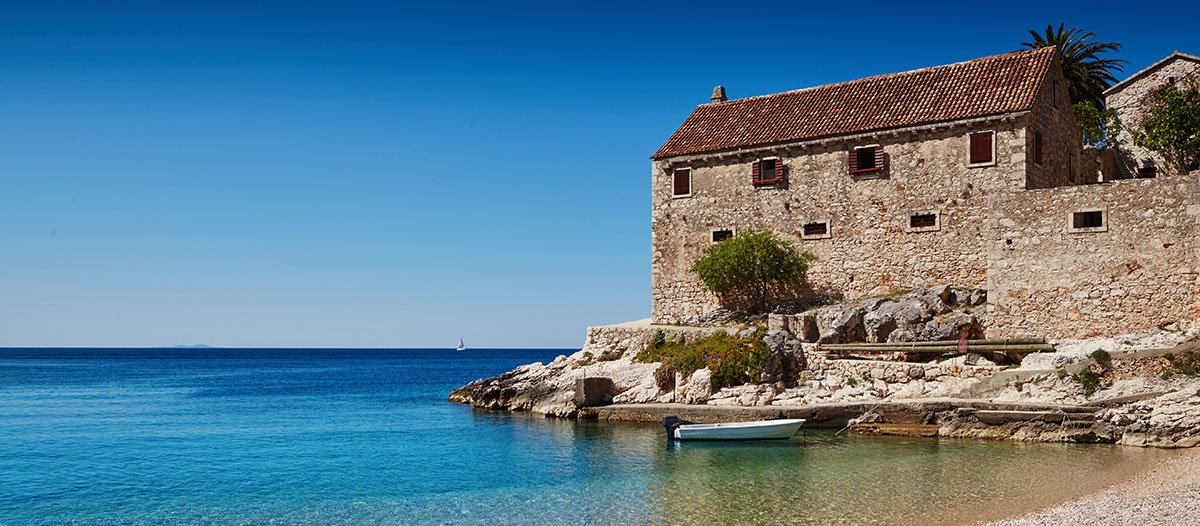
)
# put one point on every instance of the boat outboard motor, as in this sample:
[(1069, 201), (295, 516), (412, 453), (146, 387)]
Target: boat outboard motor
[(672, 422)]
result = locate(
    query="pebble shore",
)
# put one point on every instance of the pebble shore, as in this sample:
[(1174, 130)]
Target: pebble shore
[(1167, 494)]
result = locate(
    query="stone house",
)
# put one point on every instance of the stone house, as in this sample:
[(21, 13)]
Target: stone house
[(1126, 98), (967, 174)]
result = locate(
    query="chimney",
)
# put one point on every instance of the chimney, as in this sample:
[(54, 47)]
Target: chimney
[(719, 94)]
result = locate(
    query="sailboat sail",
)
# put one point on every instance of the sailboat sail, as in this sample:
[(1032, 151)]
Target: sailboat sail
[(461, 347)]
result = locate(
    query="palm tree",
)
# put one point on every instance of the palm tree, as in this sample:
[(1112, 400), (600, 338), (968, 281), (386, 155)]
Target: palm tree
[(1088, 75)]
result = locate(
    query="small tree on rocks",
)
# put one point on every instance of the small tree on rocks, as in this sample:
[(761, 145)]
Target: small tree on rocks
[(752, 269)]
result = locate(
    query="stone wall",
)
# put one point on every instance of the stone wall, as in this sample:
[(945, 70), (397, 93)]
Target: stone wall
[(870, 248), (1139, 271), (1054, 119), (1127, 102)]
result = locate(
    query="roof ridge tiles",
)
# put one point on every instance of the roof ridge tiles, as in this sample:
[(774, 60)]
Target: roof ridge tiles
[(1045, 50)]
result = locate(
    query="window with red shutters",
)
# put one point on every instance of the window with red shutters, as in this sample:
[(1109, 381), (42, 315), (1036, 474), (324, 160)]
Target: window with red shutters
[(682, 183), (866, 159), (981, 147), (767, 172)]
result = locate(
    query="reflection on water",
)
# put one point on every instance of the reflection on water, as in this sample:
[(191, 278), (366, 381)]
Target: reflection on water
[(366, 437)]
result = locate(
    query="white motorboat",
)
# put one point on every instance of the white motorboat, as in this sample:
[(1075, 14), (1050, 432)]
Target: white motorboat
[(679, 429)]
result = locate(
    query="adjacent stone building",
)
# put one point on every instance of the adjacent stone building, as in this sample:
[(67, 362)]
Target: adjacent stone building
[(1126, 98), (967, 174)]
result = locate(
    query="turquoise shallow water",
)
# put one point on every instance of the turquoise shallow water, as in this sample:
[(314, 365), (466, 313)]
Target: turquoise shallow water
[(216, 436)]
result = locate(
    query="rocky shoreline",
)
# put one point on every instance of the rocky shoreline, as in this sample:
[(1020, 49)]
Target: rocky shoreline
[(1138, 389)]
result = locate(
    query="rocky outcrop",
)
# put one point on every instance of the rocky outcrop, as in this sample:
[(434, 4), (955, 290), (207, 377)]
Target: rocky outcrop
[(922, 315), (786, 362), (610, 352), (938, 313), (1171, 420), (1136, 389)]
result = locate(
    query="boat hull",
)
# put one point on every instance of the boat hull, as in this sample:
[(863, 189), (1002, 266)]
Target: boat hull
[(761, 430)]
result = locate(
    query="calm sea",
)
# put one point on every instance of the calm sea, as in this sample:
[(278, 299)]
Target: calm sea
[(334, 436)]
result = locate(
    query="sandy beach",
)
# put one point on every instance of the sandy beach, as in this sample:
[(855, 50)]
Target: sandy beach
[(1168, 493)]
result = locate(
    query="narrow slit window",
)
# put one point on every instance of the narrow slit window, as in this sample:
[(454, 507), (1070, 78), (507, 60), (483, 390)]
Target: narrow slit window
[(721, 235), (682, 183), (923, 221), (981, 147), (1037, 147), (1054, 94), (1087, 219)]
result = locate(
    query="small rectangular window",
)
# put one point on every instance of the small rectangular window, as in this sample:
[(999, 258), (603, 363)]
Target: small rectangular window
[(815, 230), (768, 171), (1054, 94), (721, 235), (981, 148), (924, 221), (1037, 147), (1147, 172), (866, 159), (682, 183), (1070, 167), (1087, 220)]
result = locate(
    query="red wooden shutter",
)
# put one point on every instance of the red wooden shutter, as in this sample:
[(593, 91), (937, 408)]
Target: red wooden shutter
[(981, 147), (778, 170), (853, 160), (683, 182), (757, 169), (878, 157)]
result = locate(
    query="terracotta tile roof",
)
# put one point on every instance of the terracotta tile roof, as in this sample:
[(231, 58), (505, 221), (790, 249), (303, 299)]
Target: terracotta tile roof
[(986, 86)]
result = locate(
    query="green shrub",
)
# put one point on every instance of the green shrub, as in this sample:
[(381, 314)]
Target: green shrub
[(732, 360), (851, 381), (656, 340), (1089, 380), (1166, 375), (1019, 385), (752, 270), (1171, 125), (1186, 363), (1060, 373), (1101, 356)]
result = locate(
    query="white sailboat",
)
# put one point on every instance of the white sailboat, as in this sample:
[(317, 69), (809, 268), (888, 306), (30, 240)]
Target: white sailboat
[(461, 347)]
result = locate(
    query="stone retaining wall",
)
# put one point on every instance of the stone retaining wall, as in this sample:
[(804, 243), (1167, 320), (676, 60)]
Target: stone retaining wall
[(1141, 270)]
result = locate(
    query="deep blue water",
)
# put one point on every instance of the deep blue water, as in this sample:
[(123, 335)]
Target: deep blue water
[(329, 436)]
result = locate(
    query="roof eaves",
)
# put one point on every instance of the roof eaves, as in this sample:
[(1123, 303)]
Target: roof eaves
[(854, 135)]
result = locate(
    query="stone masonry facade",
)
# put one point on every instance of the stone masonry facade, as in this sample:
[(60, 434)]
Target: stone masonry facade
[(1023, 225), (1126, 98)]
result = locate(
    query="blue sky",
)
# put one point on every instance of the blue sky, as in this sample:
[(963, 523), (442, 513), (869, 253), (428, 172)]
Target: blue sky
[(389, 175)]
